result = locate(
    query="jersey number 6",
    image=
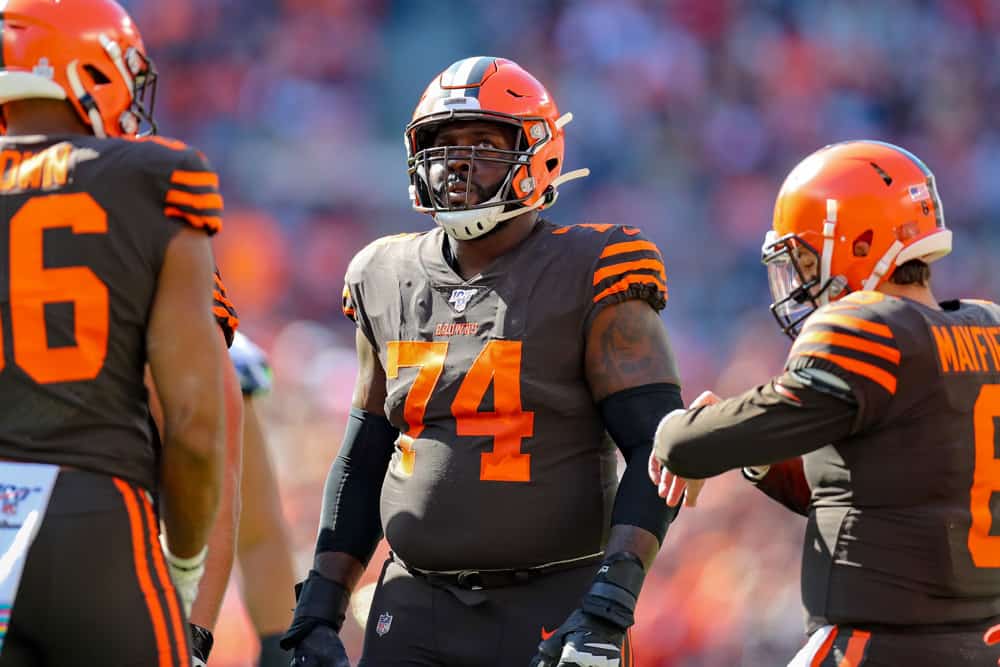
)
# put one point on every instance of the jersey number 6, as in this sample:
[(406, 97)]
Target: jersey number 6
[(499, 363), (32, 286), (985, 547)]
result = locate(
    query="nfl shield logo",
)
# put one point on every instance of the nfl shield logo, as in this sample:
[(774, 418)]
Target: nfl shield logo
[(460, 298), (384, 623)]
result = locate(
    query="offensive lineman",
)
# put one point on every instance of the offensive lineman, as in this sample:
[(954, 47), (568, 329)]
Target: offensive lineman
[(494, 353)]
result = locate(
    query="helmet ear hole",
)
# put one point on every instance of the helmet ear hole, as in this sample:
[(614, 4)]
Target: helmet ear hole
[(862, 244), (96, 75), (552, 163)]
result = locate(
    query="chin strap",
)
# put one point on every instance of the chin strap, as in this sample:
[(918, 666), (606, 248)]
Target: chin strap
[(829, 238), (883, 266), (85, 100), (546, 200)]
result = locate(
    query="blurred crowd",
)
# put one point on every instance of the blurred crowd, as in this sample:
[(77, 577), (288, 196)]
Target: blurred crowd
[(688, 113)]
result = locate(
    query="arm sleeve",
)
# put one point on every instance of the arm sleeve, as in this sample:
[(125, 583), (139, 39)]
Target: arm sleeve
[(631, 417), (350, 520), (768, 424), (628, 267)]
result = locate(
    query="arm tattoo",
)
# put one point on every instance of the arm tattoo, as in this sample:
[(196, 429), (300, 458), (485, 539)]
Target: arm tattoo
[(627, 346)]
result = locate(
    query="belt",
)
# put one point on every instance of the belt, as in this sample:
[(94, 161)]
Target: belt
[(475, 580)]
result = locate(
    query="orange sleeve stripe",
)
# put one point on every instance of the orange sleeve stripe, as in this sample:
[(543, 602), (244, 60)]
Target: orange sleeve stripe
[(206, 202), (221, 296), (227, 317), (195, 179), (626, 267), (159, 563), (873, 373), (629, 246), (212, 223), (145, 576), (856, 645), (849, 322), (172, 144), (851, 342), (628, 281)]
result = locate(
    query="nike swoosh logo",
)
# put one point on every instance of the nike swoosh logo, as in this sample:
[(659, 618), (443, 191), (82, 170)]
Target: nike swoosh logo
[(546, 634)]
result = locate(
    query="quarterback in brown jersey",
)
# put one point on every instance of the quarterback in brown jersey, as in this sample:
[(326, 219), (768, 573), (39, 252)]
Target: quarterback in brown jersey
[(497, 352), (105, 266), (882, 428)]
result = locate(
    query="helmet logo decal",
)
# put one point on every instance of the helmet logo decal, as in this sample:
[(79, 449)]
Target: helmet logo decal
[(43, 68)]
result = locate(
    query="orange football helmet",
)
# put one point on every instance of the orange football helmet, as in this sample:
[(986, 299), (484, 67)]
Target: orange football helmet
[(845, 218), (87, 52), (500, 91)]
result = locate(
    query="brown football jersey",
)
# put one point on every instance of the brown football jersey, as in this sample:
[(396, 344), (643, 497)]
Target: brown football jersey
[(905, 521), (83, 232), (503, 459)]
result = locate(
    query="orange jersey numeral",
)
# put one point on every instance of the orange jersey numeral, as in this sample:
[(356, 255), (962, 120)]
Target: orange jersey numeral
[(428, 357), (32, 286), (985, 548), (498, 364)]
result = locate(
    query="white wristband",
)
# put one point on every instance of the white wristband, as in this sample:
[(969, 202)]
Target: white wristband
[(186, 573), (192, 563)]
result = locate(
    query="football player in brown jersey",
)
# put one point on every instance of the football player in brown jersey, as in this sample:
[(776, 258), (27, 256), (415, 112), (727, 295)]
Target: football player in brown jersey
[(882, 428), (105, 265), (203, 589), (496, 352)]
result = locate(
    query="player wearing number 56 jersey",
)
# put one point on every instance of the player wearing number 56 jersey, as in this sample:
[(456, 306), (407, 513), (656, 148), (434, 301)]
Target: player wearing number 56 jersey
[(891, 399), (105, 265), (495, 353)]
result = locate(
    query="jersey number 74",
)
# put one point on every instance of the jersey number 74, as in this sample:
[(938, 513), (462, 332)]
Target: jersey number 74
[(508, 424)]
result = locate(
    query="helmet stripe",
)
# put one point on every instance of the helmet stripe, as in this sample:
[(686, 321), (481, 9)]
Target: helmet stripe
[(462, 79), (476, 75)]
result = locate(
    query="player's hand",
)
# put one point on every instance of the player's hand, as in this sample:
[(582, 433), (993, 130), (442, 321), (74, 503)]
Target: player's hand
[(186, 574), (319, 613), (668, 485), (320, 647), (672, 488), (201, 645), (582, 641)]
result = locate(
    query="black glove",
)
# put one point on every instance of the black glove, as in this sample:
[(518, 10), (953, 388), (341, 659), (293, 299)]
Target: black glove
[(271, 653), (592, 636), (319, 612), (582, 641), (201, 645)]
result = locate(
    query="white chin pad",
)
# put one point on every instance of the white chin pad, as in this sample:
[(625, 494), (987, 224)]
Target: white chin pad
[(468, 225)]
